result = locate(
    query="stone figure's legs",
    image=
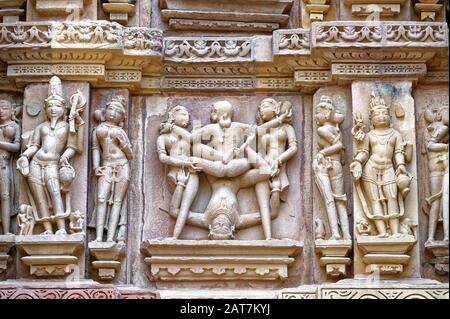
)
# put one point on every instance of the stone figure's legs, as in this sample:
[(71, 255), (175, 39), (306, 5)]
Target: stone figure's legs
[(324, 185), (390, 192), (38, 192), (118, 197), (370, 190), (5, 200), (263, 195), (54, 190), (188, 198), (436, 183), (103, 193), (445, 204), (340, 199)]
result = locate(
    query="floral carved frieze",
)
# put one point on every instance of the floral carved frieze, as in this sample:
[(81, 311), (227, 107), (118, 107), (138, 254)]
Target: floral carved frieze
[(371, 34), (208, 49), (294, 41), (139, 40), (25, 35)]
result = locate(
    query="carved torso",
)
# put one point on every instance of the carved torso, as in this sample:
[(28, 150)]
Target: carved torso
[(382, 145), (10, 133), (107, 138), (52, 141)]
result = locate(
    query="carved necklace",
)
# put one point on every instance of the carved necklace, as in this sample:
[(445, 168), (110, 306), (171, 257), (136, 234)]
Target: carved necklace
[(383, 138)]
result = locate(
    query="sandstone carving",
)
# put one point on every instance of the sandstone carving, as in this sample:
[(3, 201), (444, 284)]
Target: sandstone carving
[(224, 149), (229, 166), (45, 164), (382, 184), (435, 146), (111, 152), (329, 178), (9, 144)]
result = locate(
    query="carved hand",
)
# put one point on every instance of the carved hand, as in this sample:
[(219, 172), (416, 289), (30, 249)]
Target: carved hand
[(401, 170), (63, 161), (183, 177), (23, 165), (356, 169)]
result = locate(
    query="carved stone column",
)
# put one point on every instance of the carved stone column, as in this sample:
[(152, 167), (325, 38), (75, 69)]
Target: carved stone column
[(385, 179)]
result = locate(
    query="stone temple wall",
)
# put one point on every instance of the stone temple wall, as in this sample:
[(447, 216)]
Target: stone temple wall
[(224, 149)]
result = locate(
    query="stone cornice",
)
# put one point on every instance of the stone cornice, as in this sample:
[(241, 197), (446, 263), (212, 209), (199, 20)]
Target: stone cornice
[(108, 54)]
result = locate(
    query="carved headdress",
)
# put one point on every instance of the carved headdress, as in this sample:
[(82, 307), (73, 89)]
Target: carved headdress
[(119, 101), (376, 103), (55, 92)]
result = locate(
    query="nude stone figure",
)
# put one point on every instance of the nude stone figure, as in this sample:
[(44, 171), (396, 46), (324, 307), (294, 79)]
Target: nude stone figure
[(278, 140), (328, 170), (229, 164), (111, 153), (436, 141), (51, 146), (9, 144), (379, 170), (174, 150)]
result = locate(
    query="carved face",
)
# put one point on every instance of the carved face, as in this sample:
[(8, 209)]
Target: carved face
[(5, 111), (268, 110), (381, 117), (181, 117), (114, 113), (55, 109), (222, 113), (323, 113), (221, 228)]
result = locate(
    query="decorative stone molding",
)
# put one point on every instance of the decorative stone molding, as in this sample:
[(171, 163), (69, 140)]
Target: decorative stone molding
[(208, 83), (378, 34), (427, 9), (25, 35), (307, 77), (292, 42), (11, 10), (383, 8), (6, 243), (50, 255), (208, 49), (204, 260), (84, 289), (49, 8), (359, 289), (303, 292), (223, 15), (356, 70)]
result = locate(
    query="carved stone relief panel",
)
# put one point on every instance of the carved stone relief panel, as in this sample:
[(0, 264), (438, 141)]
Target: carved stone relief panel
[(385, 179), (53, 188), (432, 105), (238, 212), (332, 154)]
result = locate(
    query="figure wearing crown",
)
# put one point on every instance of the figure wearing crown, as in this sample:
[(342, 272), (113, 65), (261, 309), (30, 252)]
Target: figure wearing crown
[(379, 169), (45, 161), (111, 153)]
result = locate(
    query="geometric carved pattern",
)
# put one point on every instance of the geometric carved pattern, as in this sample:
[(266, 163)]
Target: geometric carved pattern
[(384, 293)]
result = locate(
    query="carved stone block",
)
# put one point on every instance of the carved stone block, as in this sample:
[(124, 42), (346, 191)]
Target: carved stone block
[(107, 255), (6, 243), (334, 256), (11, 10), (200, 260), (50, 255)]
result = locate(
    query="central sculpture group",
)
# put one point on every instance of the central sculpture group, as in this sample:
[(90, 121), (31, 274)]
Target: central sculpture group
[(230, 163)]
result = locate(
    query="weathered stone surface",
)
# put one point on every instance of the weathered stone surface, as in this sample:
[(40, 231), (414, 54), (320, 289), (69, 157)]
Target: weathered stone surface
[(316, 56)]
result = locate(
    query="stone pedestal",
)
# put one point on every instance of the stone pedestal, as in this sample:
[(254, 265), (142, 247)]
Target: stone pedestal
[(6, 243), (386, 256), (333, 256), (439, 249), (108, 255), (50, 255), (204, 260)]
